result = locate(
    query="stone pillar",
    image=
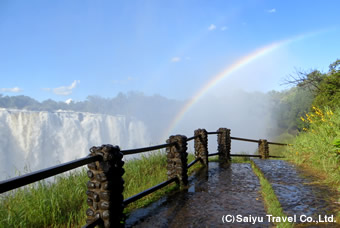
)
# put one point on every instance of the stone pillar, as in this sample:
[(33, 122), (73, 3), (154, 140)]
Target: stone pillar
[(105, 188), (177, 159), (263, 149), (224, 144), (201, 146)]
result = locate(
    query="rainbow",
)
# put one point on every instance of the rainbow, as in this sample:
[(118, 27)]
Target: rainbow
[(226, 72)]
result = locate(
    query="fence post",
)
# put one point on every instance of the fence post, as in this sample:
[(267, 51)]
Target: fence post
[(177, 159), (263, 148), (224, 144), (201, 146), (105, 188)]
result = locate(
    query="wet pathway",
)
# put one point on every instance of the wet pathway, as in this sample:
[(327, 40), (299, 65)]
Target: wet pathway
[(213, 192), (296, 192)]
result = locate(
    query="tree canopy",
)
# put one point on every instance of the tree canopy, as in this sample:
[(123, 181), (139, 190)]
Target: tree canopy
[(325, 87)]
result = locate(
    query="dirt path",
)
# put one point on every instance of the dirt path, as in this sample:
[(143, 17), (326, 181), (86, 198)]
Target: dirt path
[(219, 190)]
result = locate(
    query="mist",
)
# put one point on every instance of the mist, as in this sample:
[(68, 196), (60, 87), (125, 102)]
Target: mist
[(247, 114), (128, 120)]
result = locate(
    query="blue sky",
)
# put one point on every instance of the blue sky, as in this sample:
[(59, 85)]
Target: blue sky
[(72, 49)]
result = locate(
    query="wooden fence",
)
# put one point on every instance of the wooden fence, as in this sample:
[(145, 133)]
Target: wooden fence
[(105, 163)]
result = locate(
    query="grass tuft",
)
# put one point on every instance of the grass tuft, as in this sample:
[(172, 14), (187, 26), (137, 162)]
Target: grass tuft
[(272, 204)]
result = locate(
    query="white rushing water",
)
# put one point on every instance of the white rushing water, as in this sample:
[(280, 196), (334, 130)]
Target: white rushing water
[(32, 140)]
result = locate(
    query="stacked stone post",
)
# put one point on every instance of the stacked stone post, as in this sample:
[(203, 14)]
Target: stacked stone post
[(201, 146), (105, 188), (263, 148), (224, 144), (177, 159)]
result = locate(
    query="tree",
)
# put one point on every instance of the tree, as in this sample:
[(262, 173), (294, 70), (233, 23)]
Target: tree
[(335, 66), (302, 79), (329, 94), (324, 86)]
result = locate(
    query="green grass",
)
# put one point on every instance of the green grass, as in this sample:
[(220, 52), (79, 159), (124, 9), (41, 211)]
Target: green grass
[(240, 159), (277, 150), (63, 203), (213, 158), (272, 204), (233, 159), (145, 172)]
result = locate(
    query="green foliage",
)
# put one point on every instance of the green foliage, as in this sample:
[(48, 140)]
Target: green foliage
[(312, 80), (324, 86), (336, 143), (329, 94), (334, 67), (277, 150)]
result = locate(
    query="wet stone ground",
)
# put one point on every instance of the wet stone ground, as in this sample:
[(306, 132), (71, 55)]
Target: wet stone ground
[(213, 192), (296, 192)]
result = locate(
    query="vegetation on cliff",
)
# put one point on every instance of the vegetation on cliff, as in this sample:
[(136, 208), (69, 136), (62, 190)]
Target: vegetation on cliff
[(318, 129)]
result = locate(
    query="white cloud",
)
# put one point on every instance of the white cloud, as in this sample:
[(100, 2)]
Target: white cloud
[(271, 10), (66, 90), (11, 90), (212, 27), (175, 59), (224, 28)]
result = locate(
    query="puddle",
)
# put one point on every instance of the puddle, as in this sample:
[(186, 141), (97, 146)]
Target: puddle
[(213, 192)]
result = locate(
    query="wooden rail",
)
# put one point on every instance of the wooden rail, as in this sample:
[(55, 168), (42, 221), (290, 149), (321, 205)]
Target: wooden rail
[(97, 222), (148, 191), (257, 141), (145, 149), (191, 138), (105, 170), (193, 162), (29, 178)]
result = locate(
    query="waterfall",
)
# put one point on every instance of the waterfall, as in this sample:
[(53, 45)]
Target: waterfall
[(32, 140)]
